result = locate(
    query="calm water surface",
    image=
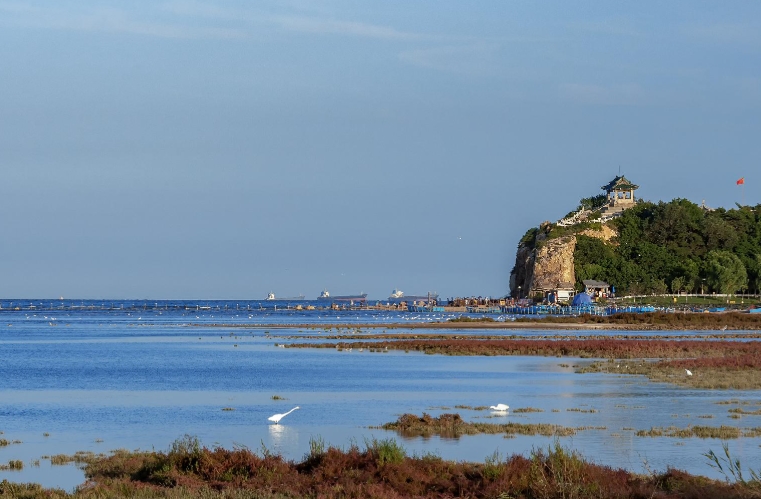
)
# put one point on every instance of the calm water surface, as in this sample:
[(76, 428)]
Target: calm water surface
[(101, 377)]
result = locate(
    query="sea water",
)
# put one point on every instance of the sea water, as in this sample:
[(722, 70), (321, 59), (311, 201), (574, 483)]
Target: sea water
[(98, 376)]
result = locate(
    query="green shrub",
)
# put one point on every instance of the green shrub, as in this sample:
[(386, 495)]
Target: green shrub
[(386, 451)]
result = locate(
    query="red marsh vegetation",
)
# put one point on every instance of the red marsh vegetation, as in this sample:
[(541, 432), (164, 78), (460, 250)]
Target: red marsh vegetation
[(381, 469), (717, 364), (662, 320), (619, 348)]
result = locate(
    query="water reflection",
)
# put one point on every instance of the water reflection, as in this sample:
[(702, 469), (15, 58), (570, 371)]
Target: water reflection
[(282, 438)]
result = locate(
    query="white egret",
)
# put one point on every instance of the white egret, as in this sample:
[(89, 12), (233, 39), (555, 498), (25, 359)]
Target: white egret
[(499, 407), (689, 373), (277, 417)]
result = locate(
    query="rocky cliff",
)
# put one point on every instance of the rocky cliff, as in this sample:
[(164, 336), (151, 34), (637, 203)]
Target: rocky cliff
[(544, 263)]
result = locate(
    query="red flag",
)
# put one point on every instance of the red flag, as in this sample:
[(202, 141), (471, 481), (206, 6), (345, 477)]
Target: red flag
[(741, 181)]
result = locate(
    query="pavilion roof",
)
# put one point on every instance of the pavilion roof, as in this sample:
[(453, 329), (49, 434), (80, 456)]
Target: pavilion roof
[(620, 183), (592, 283)]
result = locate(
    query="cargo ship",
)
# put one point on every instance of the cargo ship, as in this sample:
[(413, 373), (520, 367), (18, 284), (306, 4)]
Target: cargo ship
[(325, 295)]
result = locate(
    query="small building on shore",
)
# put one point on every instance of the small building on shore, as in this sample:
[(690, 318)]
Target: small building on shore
[(565, 292), (596, 288)]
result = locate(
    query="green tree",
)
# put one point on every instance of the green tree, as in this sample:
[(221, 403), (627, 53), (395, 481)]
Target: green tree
[(666, 241), (677, 284), (659, 287), (757, 273), (719, 234), (725, 272), (677, 227)]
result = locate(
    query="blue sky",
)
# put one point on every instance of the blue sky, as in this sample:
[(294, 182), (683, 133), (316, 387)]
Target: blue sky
[(224, 150)]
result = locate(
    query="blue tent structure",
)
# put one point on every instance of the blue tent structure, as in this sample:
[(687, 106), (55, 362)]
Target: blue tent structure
[(581, 299)]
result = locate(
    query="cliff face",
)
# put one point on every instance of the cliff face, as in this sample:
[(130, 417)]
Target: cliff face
[(545, 265), (553, 265), (606, 233)]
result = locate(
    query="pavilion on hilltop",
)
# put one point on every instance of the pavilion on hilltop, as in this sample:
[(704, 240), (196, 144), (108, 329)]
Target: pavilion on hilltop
[(620, 192)]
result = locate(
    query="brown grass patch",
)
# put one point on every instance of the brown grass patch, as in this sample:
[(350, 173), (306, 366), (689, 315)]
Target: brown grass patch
[(453, 426), (527, 409), (720, 432)]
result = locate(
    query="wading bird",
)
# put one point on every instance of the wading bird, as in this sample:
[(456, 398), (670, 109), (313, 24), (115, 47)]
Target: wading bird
[(277, 417), (689, 373), (499, 407)]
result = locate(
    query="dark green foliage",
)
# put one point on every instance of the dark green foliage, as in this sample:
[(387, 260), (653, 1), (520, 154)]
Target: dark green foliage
[(725, 271), (678, 246), (593, 202), (529, 238)]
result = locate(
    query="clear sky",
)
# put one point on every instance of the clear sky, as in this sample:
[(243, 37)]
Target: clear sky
[(187, 149)]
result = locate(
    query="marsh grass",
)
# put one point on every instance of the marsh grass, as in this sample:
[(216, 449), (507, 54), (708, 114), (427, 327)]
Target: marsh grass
[(453, 426), (386, 451), (79, 457), (381, 469), (663, 320), (732, 468), (719, 432), (740, 410), (577, 409), (493, 466), (715, 363), (464, 318), (278, 397), (527, 409), (228, 408), (13, 465), (61, 459), (316, 448), (734, 372)]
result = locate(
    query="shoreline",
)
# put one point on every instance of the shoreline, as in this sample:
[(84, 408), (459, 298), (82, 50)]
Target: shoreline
[(625, 321), (490, 325)]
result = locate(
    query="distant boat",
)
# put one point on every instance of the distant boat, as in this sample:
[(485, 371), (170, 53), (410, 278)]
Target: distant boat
[(271, 297), (325, 295), (398, 296)]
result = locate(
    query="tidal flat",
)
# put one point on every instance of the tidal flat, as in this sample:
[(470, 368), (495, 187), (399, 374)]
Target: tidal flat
[(140, 379)]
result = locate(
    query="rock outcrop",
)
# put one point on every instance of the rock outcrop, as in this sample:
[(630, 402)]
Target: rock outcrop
[(606, 233), (546, 264)]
